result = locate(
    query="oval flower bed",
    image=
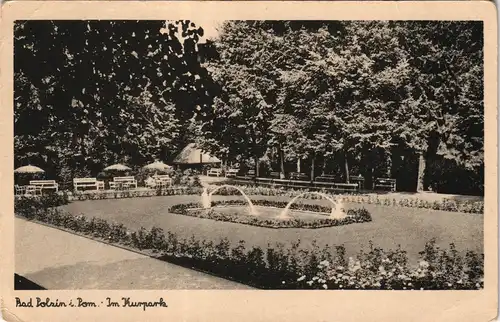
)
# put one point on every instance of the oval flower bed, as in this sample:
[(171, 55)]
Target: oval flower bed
[(194, 209)]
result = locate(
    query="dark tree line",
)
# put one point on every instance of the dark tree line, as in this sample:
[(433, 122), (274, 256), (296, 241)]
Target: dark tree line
[(401, 99), (92, 93), (380, 98)]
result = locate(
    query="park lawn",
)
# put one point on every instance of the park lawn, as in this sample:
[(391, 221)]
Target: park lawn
[(391, 226)]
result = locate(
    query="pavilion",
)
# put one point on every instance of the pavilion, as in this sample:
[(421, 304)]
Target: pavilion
[(193, 157)]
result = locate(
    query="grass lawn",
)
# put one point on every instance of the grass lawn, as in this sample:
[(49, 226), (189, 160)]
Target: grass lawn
[(391, 226)]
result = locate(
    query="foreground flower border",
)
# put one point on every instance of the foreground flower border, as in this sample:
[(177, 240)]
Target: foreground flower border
[(278, 267), (194, 210)]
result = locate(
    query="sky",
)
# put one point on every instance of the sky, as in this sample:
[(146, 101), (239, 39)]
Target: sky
[(209, 27)]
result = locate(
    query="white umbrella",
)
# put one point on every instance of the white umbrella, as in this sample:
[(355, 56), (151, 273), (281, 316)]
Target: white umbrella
[(157, 165), (29, 169), (117, 167)]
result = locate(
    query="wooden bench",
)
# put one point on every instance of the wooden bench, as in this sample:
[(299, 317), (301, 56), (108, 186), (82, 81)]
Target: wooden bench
[(298, 176), (384, 184), (214, 171), (163, 180), (326, 178), (45, 184), (337, 185), (87, 183), (359, 180), (275, 174), (19, 190), (231, 173), (27, 190), (123, 183)]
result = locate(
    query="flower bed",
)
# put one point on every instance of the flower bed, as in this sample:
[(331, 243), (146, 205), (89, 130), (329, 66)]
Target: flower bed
[(466, 206), (276, 267), (379, 269), (193, 209), (32, 205), (100, 195)]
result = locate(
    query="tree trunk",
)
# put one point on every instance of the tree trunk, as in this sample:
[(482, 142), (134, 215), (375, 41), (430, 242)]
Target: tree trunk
[(282, 163), (324, 166), (369, 160), (430, 156), (346, 164), (421, 172), (388, 157), (298, 165), (312, 169), (256, 166)]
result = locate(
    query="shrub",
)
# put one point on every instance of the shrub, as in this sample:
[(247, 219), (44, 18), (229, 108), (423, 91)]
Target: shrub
[(193, 209), (389, 270), (33, 205), (168, 191), (467, 206)]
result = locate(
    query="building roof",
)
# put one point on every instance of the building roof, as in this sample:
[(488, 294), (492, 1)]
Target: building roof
[(192, 155)]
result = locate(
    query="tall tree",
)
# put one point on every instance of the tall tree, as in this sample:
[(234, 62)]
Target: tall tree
[(237, 125), (445, 96), (92, 92)]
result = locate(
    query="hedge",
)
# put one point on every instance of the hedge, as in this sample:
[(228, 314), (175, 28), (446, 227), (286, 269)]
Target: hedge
[(465, 206), (193, 209), (100, 195)]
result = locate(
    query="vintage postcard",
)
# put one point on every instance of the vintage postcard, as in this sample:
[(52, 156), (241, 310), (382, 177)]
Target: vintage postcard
[(250, 161)]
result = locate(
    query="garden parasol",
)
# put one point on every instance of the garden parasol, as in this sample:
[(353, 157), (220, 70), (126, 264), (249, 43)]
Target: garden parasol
[(157, 165), (29, 169), (117, 167)]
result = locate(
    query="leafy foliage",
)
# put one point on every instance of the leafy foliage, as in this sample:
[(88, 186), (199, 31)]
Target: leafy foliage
[(376, 95), (92, 93), (364, 90)]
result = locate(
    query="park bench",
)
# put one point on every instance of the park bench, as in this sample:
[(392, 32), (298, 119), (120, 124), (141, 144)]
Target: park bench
[(45, 184), (19, 190), (27, 190), (326, 178), (214, 172), (87, 183), (275, 174), (250, 173), (162, 180), (231, 173), (359, 180), (298, 176), (385, 184), (123, 183)]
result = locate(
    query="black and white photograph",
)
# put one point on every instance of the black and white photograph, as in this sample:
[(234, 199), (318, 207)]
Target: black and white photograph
[(238, 154), (263, 161)]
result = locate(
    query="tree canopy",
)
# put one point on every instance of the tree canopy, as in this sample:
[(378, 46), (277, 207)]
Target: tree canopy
[(89, 93), (373, 94), (361, 89)]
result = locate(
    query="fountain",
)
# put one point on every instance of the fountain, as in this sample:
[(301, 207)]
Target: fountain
[(206, 198), (337, 211)]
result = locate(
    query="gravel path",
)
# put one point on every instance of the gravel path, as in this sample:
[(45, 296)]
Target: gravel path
[(58, 260)]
